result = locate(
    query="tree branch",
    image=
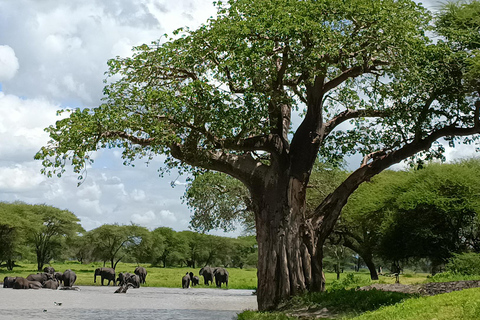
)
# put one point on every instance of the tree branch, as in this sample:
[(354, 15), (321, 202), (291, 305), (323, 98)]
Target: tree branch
[(351, 114), (329, 210)]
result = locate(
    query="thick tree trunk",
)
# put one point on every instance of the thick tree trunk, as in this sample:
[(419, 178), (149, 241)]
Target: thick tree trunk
[(281, 252)]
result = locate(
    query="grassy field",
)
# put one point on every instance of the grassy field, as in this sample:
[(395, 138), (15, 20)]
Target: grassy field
[(156, 277)]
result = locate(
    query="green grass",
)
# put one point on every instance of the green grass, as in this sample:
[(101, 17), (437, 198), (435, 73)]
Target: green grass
[(459, 305), (156, 277)]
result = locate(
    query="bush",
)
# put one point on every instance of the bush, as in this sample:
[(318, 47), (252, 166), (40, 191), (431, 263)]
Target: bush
[(464, 264), (349, 281)]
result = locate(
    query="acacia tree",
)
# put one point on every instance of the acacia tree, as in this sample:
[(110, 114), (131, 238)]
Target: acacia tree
[(48, 238), (111, 242), (221, 98)]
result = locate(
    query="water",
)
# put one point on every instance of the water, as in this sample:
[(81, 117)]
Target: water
[(143, 303)]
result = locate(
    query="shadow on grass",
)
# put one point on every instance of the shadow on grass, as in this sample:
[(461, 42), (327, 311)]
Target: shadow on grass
[(332, 304)]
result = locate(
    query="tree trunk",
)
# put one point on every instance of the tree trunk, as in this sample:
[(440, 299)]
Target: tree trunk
[(371, 266), (280, 265)]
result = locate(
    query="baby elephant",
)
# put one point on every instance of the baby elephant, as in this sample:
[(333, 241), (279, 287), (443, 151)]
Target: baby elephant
[(186, 281), (194, 279)]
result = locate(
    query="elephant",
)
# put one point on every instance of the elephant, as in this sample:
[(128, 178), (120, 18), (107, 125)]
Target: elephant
[(8, 282), (122, 278), (194, 279), (49, 270), (40, 277), (186, 281), (59, 277), (133, 280), (22, 283), (69, 277), (123, 288), (51, 284), (142, 273), (105, 273), (207, 273), (221, 276)]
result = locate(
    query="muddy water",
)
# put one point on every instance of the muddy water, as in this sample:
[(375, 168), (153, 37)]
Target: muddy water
[(144, 303)]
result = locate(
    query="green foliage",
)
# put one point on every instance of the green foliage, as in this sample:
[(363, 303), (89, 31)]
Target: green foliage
[(428, 213), (349, 281), (219, 202), (464, 264), (112, 242)]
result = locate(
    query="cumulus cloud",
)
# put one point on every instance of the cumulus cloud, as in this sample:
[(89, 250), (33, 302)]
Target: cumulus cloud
[(144, 219), (8, 63)]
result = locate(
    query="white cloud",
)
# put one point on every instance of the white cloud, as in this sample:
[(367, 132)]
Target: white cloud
[(138, 195), (8, 63), (19, 178), (144, 219), (22, 124)]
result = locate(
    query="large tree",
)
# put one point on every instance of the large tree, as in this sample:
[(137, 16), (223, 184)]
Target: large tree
[(363, 74)]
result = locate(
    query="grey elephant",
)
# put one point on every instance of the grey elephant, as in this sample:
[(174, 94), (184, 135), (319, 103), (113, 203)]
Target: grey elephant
[(194, 279), (22, 283), (40, 277), (59, 277), (49, 270), (69, 277), (122, 278), (207, 273), (51, 284), (8, 282), (221, 276), (186, 281), (133, 280), (105, 273), (142, 273)]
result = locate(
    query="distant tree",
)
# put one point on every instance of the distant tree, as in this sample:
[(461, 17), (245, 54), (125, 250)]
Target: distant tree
[(196, 250), (110, 242), (174, 249), (434, 213), (12, 230), (80, 248), (48, 237), (244, 249)]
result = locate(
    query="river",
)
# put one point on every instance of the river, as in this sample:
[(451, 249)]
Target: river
[(96, 302)]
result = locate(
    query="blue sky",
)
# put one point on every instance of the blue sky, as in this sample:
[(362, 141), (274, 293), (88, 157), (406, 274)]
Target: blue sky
[(53, 55)]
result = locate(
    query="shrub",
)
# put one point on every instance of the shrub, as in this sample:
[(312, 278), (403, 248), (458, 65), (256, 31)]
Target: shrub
[(464, 264)]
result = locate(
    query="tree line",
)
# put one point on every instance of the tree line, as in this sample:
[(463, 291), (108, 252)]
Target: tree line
[(44, 233)]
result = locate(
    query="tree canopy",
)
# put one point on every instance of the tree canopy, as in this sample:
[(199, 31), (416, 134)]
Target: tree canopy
[(364, 75)]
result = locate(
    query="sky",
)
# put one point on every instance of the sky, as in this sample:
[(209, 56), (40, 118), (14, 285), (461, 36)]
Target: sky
[(53, 55)]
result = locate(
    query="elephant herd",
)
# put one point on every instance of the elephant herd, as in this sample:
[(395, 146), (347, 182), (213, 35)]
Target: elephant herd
[(48, 279), (209, 274), (125, 280), (53, 280)]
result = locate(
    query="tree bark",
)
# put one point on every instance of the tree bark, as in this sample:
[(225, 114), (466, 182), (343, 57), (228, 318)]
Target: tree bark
[(281, 272), (368, 259)]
